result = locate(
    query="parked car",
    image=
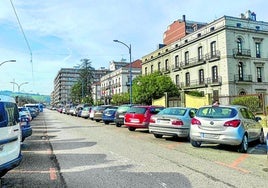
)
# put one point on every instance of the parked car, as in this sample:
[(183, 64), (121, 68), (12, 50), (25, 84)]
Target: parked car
[(79, 108), (98, 112), (10, 135), (92, 112), (172, 121), (86, 111), (26, 111), (108, 115), (139, 116), (120, 114), (26, 129), (230, 125), (71, 111)]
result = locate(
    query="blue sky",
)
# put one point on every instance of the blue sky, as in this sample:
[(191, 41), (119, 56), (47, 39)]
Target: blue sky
[(61, 33)]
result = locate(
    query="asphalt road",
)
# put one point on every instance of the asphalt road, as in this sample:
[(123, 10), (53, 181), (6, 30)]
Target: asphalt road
[(66, 151)]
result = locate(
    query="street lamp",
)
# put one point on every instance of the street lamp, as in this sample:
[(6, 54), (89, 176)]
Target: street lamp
[(7, 62), (18, 85), (130, 70)]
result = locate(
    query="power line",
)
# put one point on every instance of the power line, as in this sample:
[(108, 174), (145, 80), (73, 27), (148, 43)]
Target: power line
[(24, 36)]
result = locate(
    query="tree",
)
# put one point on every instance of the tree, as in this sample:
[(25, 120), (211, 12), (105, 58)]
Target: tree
[(252, 102), (148, 87), (119, 99)]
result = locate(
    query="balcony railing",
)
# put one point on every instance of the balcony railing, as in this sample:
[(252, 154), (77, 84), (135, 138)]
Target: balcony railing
[(165, 70), (244, 53), (195, 61), (244, 78), (213, 56), (176, 67)]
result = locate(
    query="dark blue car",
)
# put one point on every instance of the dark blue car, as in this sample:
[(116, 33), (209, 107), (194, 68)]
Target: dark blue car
[(108, 115)]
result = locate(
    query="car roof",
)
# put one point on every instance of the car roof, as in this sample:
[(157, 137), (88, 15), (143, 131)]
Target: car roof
[(5, 98)]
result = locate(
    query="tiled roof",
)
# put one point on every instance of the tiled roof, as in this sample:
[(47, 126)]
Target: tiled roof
[(135, 64)]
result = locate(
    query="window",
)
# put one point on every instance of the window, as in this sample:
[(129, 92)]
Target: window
[(213, 48), (152, 68), (239, 46), (201, 76), (166, 64), (177, 81), (187, 79), (198, 35), (200, 53), (159, 66), (240, 71), (258, 50), (214, 74), (145, 70), (238, 24), (186, 58), (259, 74), (212, 28), (176, 61)]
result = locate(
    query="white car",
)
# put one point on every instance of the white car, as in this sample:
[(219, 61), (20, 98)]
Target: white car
[(10, 135)]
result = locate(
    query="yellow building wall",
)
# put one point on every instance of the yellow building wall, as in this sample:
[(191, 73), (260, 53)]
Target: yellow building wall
[(196, 102), (160, 102)]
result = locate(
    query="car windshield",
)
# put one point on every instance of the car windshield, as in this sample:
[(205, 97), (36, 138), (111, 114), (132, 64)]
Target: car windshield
[(173, 111), (216, 112)]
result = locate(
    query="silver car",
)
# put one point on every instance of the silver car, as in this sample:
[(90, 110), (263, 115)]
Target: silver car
[(172, 121), (230, 125)]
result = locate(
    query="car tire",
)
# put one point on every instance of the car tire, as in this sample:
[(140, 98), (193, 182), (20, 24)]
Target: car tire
[(97, 120), (118, 124), (106, 122), (131, 129), (158, 135), (243, 147), (195, 143), (2, 173)]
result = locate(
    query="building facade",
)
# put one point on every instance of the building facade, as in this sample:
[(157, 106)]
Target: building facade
[(226, 57), (118, 81)]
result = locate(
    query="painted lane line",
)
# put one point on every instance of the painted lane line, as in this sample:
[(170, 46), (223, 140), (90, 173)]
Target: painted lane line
[(235, 163)]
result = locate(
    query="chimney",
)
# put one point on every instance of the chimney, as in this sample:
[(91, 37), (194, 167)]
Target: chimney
[(183, 18)]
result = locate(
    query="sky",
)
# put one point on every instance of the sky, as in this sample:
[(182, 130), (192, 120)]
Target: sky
[(55, 34)]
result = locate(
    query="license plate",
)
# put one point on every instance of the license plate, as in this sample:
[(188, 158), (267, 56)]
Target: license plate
[(134, 121), (204, 135), (121, 116)]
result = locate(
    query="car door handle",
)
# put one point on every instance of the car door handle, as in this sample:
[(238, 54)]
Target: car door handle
[(15, 130)]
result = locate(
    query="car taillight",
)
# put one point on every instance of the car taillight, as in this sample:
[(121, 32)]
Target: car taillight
[(177, 122), (152, 120), (232, 123), (195, 122)]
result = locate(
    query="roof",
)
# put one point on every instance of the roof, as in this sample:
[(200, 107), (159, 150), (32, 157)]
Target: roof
[(135, 64)]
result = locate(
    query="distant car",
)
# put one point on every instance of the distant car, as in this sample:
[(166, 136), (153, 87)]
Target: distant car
[(10, 135), (98, 112), (92, 113), (139, 116), (26, 111), (229, 125), (85, 112), (172, 121), (26, 129), (108, 115), (120, 114)]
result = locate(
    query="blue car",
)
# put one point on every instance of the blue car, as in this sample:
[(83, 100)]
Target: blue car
[(108, 115), (26, 129)]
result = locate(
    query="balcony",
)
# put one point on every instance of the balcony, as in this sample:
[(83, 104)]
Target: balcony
[(165, 70), (193, 84), (214, 81), (176, 67), (243, 79), (192, 62), (213, 56), (244, 53)]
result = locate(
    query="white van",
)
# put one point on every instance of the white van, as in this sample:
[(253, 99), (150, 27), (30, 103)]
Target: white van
[(10, 135)]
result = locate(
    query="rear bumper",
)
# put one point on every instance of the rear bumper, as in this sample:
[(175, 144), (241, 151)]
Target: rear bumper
[(169, 131), (11, 164), (143, 125), (26, 132)]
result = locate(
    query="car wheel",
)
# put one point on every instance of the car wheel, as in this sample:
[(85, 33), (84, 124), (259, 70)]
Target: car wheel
[(243, 147), (195, 143), (97, 120), (131, 129), (158, 135), (2, 173), (118, 124), (106, 122)]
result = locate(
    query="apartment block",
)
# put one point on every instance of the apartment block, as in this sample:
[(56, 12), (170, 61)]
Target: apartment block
[(226, 57)]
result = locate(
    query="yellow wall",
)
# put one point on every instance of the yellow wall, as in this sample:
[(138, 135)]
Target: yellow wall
[(196, 102), (160, 102)]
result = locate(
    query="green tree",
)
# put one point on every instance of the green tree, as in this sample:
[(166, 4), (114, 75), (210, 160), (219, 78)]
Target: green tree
[(119, 99), (252, 102), (148, 87)]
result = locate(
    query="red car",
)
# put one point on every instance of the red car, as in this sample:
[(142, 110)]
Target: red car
[(139, 116)]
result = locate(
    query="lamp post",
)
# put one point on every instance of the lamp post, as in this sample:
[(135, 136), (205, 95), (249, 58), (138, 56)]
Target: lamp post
[(18, 85), (130, 70), (12, 60)]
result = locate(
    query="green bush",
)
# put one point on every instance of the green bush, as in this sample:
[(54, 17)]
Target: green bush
[(252, 102)]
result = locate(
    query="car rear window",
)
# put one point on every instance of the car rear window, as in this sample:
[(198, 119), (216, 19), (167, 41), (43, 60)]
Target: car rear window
[(216, 112), (137, 110), (123, 109), (173, 111)]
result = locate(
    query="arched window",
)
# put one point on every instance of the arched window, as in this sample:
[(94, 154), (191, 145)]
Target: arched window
[(215, 74)]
